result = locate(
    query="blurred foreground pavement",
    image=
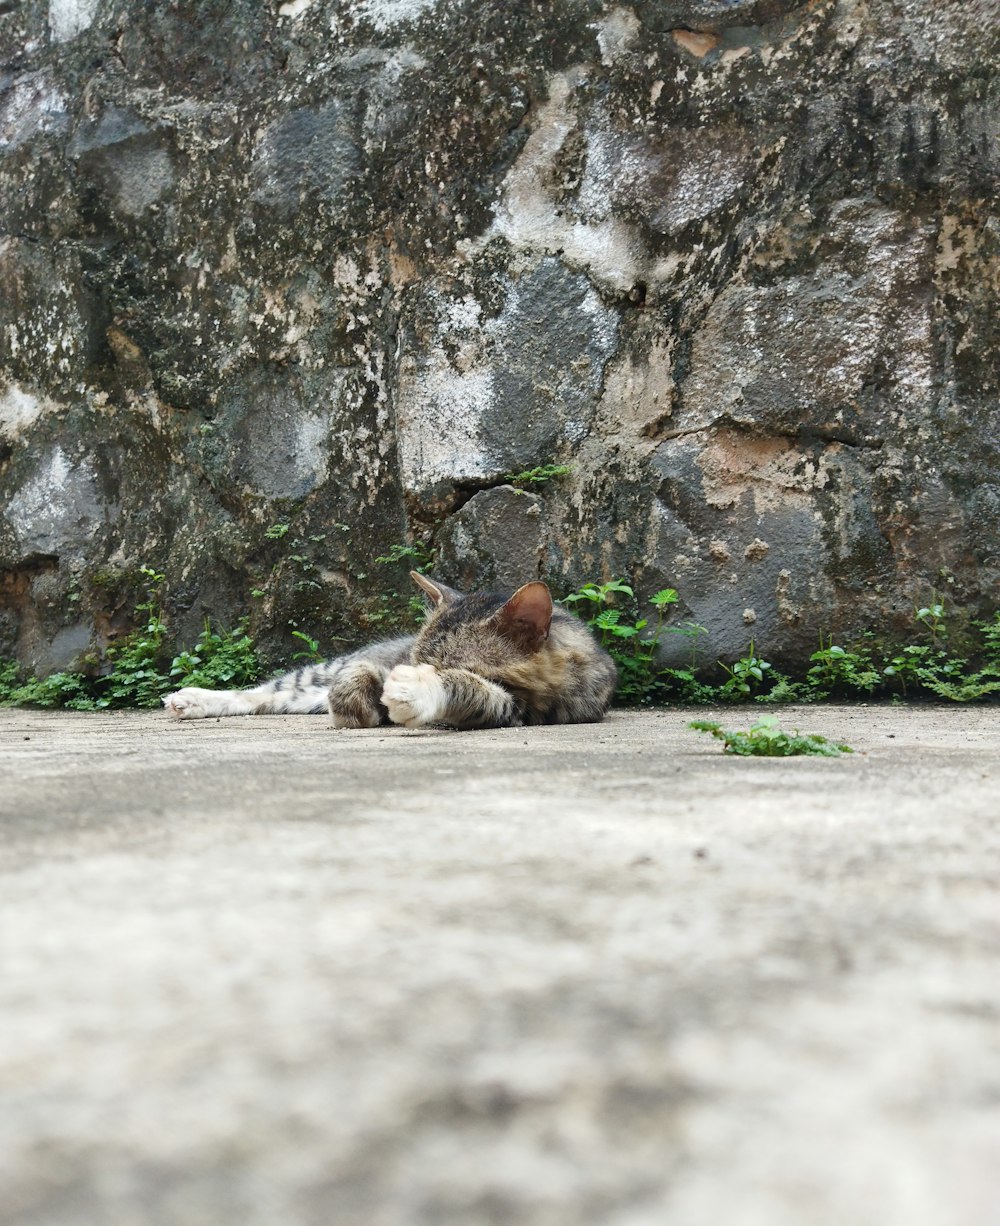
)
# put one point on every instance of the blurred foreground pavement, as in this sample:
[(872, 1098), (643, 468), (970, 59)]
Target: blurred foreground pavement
[(264, 973)]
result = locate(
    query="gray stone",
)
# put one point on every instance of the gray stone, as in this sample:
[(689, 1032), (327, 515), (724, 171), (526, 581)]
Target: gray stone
[(122, 158), (670, 182), (29, 108), (483, 393), (57, 509), (735, 263), (49, 320), (710, 14), (310, 151), (277, 442), (498, 540)]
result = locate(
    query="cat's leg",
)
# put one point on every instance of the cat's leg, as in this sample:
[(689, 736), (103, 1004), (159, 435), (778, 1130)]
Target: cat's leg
[(303, 692), (194, 703), (354, 696), (417, 695)]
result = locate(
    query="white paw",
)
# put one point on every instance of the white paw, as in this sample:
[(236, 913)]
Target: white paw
[(186, 704), (414, 695)]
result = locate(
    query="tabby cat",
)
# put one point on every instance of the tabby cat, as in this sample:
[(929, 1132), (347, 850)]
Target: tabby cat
[(479, 661)]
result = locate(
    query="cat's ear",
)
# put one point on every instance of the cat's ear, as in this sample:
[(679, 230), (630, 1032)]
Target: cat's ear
[(526, 617), (438, 592)]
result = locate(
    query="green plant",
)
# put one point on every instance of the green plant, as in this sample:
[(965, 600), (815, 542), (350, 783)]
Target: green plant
[(135, 679), (930, 668), (744, 677), (946, 676), (539, 475), (312, 652), (838, 670), (225, 658), (970, 688), (908, 664), (140, 675), (934, 618), (663, 600), (8, 678), (634, 663), (683, 684), (418, 555), (767, 740), (277, 532), (70, 690), (598, 593), (784, 689), (835, 669), (990, 631), (634, 645)]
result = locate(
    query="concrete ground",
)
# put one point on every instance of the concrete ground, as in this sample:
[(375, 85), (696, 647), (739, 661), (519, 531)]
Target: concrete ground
[(259, 972)]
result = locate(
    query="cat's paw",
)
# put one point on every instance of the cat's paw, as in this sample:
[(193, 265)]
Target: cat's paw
[(414, 695), (353, 697), (186, 704), (346, 719)]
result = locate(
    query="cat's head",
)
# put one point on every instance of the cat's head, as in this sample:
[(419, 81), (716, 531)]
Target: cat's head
[(483, 632)]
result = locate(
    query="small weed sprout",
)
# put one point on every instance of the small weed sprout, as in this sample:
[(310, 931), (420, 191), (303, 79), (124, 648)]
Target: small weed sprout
[(419, 557), (765, 739), (312, 652), (744, 677), (934, 618)]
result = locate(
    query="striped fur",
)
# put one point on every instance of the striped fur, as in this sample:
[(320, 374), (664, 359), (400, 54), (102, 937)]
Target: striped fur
[(480, 661)]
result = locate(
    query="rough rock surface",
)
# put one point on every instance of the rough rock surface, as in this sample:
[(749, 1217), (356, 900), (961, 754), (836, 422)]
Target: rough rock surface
[(344, 266)]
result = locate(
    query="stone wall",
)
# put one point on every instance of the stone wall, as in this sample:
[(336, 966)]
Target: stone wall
[(342, 267)]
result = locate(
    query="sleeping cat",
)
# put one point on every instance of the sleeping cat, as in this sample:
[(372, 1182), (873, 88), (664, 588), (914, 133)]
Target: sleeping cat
[(479, 661)]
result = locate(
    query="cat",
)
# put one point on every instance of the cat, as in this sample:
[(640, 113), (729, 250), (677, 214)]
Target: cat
[(479, 661)]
